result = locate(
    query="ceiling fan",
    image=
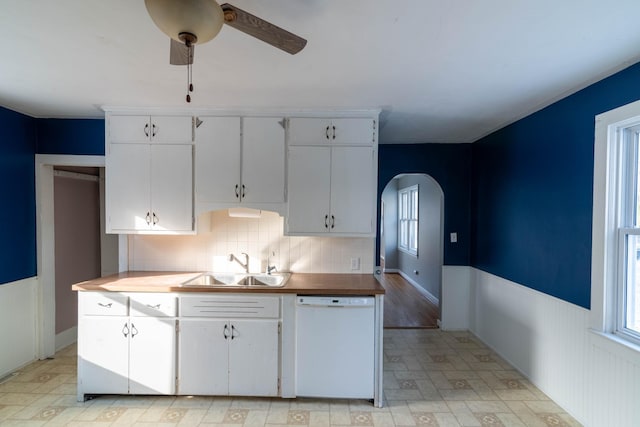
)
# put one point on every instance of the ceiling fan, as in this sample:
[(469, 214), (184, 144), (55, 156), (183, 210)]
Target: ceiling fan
[(191, 22)]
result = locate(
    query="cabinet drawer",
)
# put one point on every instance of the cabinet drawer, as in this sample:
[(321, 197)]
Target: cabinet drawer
[(103, 303), (230, 306), (157, 305)]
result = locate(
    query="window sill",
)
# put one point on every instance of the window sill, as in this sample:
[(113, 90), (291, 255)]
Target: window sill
[(408, 252), (618, 345)]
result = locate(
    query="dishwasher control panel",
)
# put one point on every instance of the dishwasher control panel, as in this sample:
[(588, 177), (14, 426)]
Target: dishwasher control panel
[(336, 301)]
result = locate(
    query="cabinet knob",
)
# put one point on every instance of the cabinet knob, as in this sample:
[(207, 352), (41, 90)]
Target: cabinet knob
[(326, 219), (225, 331), (237, 192), (334, 132), (242, 195), (105, 305), (146, 130), (155, 219), (155, 130), (134, 331), (233, 330), (125, 330), (148, 218), (333, 221), (326, 132)]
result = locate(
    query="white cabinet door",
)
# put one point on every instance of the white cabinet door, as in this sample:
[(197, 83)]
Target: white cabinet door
[(103, 355), (160, 129), (172, 129), (218, 160), (253, 358), (171, 187), (353, 131), (352, 190), (262, 160), (128, 187), (129, 129), (152, 352), (309, 184), (322, 131), (309, 131), (203, 357)]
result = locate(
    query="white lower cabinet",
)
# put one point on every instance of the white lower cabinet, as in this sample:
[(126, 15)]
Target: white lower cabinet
[(234, 357), (122, 354), (222, 356)]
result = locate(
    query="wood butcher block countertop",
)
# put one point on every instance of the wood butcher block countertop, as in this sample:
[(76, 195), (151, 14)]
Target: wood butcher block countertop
[(298, 283)]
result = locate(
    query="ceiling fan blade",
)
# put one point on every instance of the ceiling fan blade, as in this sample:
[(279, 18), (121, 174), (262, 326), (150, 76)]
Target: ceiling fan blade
[(179, 53), (262, 30)]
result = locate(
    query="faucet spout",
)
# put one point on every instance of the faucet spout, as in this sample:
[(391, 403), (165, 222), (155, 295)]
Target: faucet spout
[(244, 265)]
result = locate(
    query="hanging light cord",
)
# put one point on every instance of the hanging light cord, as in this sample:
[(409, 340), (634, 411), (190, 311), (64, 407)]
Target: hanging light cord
[(189, 71)]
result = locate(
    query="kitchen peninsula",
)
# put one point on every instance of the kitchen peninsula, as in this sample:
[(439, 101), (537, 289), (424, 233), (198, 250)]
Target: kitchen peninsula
[(149, 333)]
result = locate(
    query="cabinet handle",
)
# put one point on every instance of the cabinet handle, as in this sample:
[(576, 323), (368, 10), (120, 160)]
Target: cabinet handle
[(125, 330), (333, 221), (155, 219), (105, 305), (156, 307), (237, 193), (326, 132), (242, 196), (134, 331), (334, 132), (326, 218), (233, 329), (155, 130), (146, 130), (148, 218), (225, 332)]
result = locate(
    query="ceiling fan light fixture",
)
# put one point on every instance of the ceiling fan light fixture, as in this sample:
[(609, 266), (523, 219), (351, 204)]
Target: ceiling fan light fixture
[(202, 18)]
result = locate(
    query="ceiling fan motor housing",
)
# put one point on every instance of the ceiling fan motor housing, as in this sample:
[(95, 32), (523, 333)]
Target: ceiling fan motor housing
[(202, 19)]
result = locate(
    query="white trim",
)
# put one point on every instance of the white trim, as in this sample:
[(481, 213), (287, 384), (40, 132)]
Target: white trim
[(606, 214), (66, 338), (428, 295), (45, 246)]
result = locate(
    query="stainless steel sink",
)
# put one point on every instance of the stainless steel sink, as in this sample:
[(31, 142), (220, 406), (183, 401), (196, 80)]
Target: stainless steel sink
[(220, 280)]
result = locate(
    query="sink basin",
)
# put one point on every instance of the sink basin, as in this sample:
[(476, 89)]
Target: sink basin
[(239, 280)]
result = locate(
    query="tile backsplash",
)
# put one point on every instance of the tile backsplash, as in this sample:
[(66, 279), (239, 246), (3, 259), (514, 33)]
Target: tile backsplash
[(220, 235)]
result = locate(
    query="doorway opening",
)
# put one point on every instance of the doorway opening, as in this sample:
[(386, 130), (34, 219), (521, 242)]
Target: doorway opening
[(412, 250), (53, 331)]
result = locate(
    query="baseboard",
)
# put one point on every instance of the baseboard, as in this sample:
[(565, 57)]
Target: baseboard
[(428, 295), (391, 270), (66, 338)]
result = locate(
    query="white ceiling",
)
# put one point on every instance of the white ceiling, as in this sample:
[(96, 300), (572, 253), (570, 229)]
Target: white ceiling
[(441, 70)]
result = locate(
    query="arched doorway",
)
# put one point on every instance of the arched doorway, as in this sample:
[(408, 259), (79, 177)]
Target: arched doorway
[(411, 250)]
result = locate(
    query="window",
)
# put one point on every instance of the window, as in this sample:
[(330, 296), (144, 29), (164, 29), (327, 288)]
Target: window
[(627, 292), (615, 267), (408, 220)]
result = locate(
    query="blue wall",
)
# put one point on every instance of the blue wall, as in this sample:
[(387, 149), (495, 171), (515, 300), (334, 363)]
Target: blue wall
[(70, 136), (17, 196), (21, 137), (532, 188), (450, 166)]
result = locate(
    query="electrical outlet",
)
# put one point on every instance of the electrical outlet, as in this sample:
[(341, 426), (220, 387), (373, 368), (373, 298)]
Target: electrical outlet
[(454, 237), (355, 263)]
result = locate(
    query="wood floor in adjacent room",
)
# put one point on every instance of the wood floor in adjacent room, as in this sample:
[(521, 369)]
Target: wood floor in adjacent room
[(404, 306)]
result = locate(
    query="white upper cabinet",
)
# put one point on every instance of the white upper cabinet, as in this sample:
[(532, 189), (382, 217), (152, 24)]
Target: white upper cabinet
[(159, 129), (149, 174), (337, 131), (332, 179), (240, 162)]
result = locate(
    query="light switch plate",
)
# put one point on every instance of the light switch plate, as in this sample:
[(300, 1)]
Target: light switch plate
[(454, 237)]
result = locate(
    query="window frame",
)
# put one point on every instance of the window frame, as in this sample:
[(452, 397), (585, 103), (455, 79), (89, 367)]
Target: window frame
[(611, 215), (409, 216)]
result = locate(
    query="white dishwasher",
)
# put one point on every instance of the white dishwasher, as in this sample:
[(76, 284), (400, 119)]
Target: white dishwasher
[(335, 346)]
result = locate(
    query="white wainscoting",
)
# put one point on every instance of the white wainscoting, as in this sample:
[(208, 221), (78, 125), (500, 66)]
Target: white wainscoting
[(456, 297), (594, 378), (18, 302)]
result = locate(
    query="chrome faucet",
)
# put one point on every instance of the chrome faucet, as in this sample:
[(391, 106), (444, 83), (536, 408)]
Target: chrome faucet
[(244, 265), (270, 268)]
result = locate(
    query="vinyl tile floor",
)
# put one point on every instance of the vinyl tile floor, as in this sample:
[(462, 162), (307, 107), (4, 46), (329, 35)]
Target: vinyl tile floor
[(431, 378)]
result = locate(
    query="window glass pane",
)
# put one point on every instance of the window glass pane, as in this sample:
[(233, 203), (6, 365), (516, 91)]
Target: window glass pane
[(631, 288), (634, 181), (413, 244), (414, 204)]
